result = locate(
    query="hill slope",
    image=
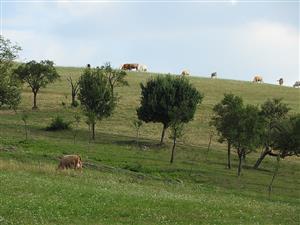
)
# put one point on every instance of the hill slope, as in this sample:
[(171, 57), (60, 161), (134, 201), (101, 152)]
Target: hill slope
[(125, 184)]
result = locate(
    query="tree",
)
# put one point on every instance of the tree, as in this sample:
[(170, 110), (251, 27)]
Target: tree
[(286, 136), (74, 90), (163, 96), (246, 133), (37, 75), (10, 91), (273, 111), (225, 121), (116, 78), (137, 125), (24, 118), (176, 132), (95, 96)]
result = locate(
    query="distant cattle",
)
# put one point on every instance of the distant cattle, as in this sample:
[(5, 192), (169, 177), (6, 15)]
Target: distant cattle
[(185, 73), (130, 66), (296, 84), (280, 81), (142, 68), (70, 162), (213, 75), (257, 79)]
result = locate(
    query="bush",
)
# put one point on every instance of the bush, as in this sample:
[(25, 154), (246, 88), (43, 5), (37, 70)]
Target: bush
[(75, 103), (58, 123)]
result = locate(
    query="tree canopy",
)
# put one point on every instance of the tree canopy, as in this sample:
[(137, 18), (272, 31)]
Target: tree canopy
[(95, 96), (168, 98), (37, 75), (10, 91)]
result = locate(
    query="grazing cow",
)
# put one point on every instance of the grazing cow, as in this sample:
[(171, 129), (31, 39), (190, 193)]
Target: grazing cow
[(280, 81), (296, 84), (185, 73), (70, 162), (213, 75), (130, 66), (257, 79), (142, 68)]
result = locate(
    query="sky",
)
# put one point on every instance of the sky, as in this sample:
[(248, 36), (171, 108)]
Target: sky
[(237, 39)]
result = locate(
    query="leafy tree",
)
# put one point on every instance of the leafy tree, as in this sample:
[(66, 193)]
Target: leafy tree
[(95, 96), (286, 134), (137, 125), (116, 78), (272, 111), (37, 75), (24, 118), (246, 133), (176, 132), (10, 91), (74, 90), (225, 121), (165, 96)]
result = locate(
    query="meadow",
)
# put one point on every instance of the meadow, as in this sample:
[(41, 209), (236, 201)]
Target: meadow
[(126, 183)]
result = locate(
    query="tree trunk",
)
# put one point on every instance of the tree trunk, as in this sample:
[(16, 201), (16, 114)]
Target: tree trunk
[(261, 158), (274, 175), (73, 98), (228, 155), (173, 150), (34, 100), (93, 131), (163, 134), (240, 162)]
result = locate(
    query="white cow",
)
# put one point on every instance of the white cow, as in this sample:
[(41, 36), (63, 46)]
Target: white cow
[(142, 68), (296, 84)]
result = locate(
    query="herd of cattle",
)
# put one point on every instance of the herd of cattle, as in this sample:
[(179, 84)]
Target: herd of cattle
[(185, 72)]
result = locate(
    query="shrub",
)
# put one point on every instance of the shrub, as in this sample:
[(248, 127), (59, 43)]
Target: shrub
[(58, 123)]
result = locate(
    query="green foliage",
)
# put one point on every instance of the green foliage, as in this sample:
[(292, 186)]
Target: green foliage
[(37, 75), (10, 91), (224, 120), (95, 96), (168, 98), (287, 136), (225, 114), (58, 123), (116, 78), (272, 111)]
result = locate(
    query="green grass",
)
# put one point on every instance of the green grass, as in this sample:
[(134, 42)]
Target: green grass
[(126, 184)]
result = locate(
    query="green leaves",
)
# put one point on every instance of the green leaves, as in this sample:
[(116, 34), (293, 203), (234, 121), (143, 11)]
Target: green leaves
[(166, 99)]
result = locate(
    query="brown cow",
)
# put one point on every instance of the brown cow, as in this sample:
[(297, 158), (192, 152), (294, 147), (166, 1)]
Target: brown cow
[(280, 81), (70, 162), (130, 66), (257, 79)]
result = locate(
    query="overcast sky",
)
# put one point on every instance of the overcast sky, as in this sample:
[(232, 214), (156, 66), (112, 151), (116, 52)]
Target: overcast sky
[(234, 38)]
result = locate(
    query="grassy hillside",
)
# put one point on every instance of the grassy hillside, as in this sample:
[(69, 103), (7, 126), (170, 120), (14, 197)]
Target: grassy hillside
[(127, 184)]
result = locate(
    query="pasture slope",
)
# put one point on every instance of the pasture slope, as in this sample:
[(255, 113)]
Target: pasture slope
[(127, 184)]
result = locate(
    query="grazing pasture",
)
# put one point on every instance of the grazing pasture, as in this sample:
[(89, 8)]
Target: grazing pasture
[(122, 183)]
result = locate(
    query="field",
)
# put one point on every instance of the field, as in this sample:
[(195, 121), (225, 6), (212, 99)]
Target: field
[(128, 184)]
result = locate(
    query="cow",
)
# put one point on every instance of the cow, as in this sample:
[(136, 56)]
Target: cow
[(70, 162), (296, 84), (257, 79), (130, 66), (280, 81), (142, 68), (213, 75), (185, 73)]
